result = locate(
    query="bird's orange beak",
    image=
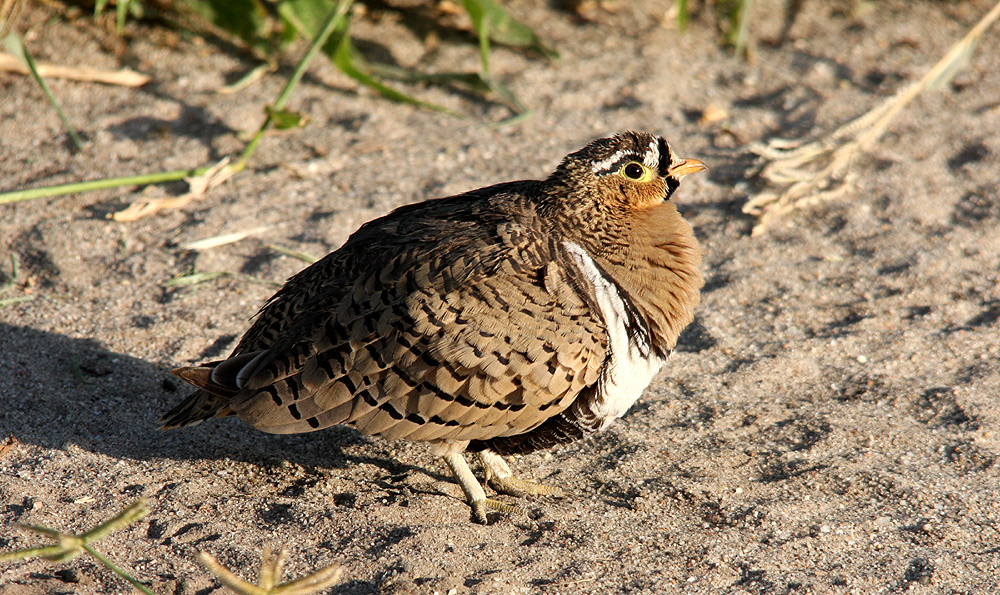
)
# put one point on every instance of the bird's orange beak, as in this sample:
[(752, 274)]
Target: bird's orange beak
[(685, 167)]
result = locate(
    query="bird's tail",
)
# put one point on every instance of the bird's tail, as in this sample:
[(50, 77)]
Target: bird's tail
[(212, 400), (196, 408)]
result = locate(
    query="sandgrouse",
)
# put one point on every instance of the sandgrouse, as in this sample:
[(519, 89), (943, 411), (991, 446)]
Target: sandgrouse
[(499, 321)]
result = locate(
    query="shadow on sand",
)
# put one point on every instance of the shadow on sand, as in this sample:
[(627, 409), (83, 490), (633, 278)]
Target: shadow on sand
[(56, 390)]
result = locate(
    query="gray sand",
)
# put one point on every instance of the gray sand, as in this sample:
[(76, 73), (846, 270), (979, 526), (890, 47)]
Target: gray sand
[(829, 424)]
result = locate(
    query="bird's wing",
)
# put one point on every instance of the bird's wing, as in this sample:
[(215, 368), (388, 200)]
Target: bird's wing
[(460, 327)]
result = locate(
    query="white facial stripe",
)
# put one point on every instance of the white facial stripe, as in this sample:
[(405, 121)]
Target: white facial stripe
[(652, 157), (605, 165)]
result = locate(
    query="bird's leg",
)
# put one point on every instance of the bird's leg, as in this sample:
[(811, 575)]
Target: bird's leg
[(500, 478), (473, 490)]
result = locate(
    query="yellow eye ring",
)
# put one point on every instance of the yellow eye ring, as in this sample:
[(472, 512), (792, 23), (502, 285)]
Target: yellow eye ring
[(633, 170)]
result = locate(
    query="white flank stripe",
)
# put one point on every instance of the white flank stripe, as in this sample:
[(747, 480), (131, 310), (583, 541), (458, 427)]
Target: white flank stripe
[(627, 372)]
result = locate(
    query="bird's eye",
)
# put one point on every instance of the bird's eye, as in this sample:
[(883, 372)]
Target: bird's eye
[(633, 171)]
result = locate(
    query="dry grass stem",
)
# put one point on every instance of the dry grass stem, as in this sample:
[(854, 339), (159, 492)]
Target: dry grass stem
[(10, 10), (800, 174), (228, 238), (268, 582), (123, 77), (198, 185), (256, 74), (303, 256)]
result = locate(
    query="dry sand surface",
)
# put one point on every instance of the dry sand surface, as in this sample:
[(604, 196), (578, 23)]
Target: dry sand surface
[(829, 423)]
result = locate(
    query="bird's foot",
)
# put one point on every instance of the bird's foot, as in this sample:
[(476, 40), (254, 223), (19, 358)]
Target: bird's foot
[(500, 478), (485, 505), (474, 493)]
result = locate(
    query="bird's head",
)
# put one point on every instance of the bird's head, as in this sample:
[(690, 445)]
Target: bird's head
[(631, 170)]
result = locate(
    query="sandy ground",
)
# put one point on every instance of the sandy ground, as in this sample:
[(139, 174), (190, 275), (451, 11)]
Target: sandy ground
[(829, 424)]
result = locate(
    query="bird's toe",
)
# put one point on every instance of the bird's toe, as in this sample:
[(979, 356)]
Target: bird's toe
[(480, 508), (515, 486)]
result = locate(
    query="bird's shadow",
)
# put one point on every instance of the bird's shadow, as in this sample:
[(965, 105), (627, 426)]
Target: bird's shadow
[(57, 390)]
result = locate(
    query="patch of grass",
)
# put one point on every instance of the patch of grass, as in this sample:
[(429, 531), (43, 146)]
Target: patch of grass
[(68, 546), (203, 178), (266, 28)]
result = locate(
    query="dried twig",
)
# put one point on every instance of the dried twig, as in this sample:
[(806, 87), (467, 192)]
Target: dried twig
[(198, 185), (123, 77), (806, 173)]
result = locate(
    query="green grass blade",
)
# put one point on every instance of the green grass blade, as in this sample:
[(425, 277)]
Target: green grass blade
[(302, 14), (16, 300), (117, 570), (252, 76), (305, 16), (483, 31), (34, 552), (132, 513), (742, 27), (285, 119), (490, 21), (335, 19), (14, 273), (304, 257), (489, 17), (120, 13), (477, 13), (246, 19), (683, 14), (469, 82), (345, 59), (194, 279), (74, 187), (16, 46)]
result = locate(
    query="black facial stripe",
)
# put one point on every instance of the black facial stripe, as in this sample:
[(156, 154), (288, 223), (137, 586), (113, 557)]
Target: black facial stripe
[(661, 146), (672, 185)]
